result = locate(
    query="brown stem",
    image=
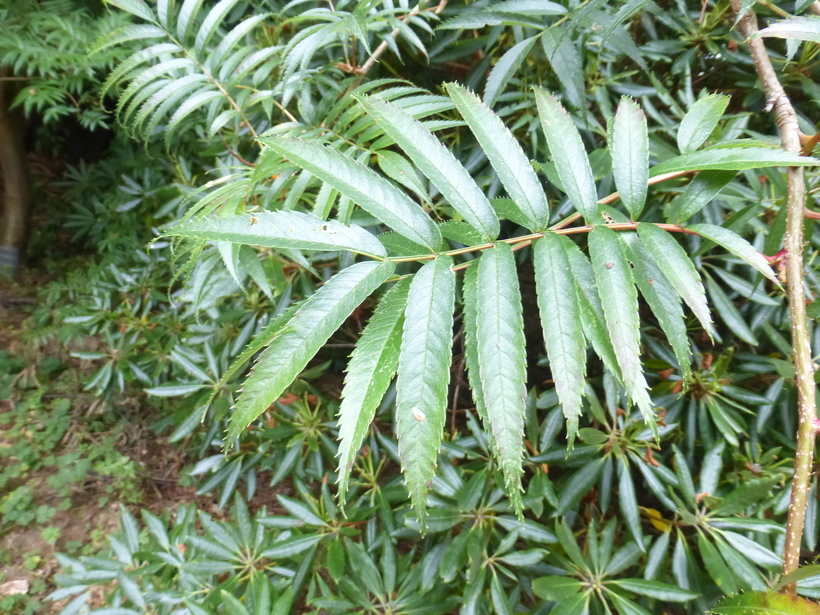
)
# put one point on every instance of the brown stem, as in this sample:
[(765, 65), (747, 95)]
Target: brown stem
[(15, 208), (804, 369), (379, 51)]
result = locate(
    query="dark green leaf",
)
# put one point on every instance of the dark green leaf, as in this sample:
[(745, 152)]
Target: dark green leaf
[(700, 121), (568, 152), (560, 311), (630, 156), (505, 155), (502, 360), (300, 340), (283, 229), (437, 163), (424, 374)]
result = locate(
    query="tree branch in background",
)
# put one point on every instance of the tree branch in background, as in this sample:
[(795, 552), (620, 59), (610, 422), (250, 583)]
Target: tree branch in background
[(786, 118), (377, 53)]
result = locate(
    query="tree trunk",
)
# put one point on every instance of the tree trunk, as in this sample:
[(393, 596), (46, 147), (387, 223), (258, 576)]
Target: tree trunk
[(15, 209)]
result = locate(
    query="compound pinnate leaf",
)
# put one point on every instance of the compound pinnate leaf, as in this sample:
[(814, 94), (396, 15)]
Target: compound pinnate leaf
[(700, 121), (567, 149), (424, 374), (505, 155), (630, 156), (619, 298), (302, 337), (678, 268), (502, 360), (283, 229), (437, 163), (363, 186), (561, 314), (372, 366)]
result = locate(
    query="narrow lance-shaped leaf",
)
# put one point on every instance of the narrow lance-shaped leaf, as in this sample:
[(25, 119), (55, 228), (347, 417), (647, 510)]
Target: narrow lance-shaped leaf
[(567, 149), (470, 294), (662, 298), (592, 313), (135, 7), (700, 192), (503, 360), (560, 310), (738, 246), (372, 366), (505, 68), (437, 163), (679, 269), (283, 229), (733, 159), (619, 298), (505, 155), (803, 28), (424, 375), (302, 337), (765, 603), (700, 121), (363, 186), (630, 156), (565, 60)]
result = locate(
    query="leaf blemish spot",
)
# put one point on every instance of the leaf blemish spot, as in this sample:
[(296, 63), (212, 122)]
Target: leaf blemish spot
[(419, 415), (610, 265)]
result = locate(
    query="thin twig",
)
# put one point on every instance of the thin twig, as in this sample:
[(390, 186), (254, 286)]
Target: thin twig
[(801, 342), (379, 51)]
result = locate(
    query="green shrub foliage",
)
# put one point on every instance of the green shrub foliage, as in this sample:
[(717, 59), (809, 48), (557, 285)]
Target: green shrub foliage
[(490, 188)]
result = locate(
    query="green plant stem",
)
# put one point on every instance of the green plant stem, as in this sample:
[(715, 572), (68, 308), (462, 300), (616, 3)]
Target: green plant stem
[(801, 344)]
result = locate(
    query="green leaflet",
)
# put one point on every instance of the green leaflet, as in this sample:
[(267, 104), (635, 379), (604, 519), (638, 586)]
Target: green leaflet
[(372, 366), (732, 159), (567, 64), (628, 501), (363, 186), (561, 322), (568, 152), (619, 298), (738, 246), (662, 298), (679, 270), (503, 361), (283, 229), (700, 121), (135, 7), (424, 375), (700, 191), (437, 163), (470, 294), (765, 603), (592, 313), (505, 68), (505, 155), (630, 156), (804, 28), (303, 336), (264, 338)]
